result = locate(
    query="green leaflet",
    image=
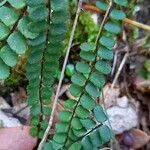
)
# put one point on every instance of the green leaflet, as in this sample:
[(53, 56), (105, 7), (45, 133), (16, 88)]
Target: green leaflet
[(87, 56), (72, 136), (3, 2), (17, 43), (92, 90), (35, 110), (75, 90), (86, 143), (65, 116), (75, 146), (8, 16), (23, 28), (103, 67), (35, 121), (34, 2), (58, 5), (48, 146), (97, 79), (37, 27), (112, 27), (47, 110), (87, 102), (60, 138), (87, 47), (78, 79), (88, 123), (83, 68), (121, 2), (108, 42), (59, 16), (34, 131), (105, 53), (4, 31), (99, 114), (95, 139), (8, 56), (117, 14), (4, 73), (79, 133), (44, 124), (82, 112), (56, 145), (102, 5), (42, 12), (62, 127), (76, 124), (105, 133), (70, 104), (17, 4)]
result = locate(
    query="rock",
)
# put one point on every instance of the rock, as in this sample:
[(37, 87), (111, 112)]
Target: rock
[(140, 138), (122, 102), (128, 139), (3, 104), (22, 111), (8, 121), (122, 119), (16, 138)]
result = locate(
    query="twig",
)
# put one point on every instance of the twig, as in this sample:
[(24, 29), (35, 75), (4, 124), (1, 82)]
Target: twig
[(114, 63), (123, 60), (137, 24), (61, 78), (126, 20), (106, 148), (119, 69)]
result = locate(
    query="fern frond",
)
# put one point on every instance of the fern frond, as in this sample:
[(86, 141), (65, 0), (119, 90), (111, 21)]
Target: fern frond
[(47, 31), (12, 42), (82, 122)]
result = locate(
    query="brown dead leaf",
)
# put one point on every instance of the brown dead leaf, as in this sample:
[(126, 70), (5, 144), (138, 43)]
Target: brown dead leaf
[(142, 85), (140, 138), (16, 138)]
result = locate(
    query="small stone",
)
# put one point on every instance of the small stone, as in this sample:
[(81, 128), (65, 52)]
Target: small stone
[(3, 104), (122, 102), (128, 139), (8, 121), (122, 119)]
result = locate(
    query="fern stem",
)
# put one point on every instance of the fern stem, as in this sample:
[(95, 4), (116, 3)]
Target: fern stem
[(119, 69), (61, 78), (103, 22), (44, 53)]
